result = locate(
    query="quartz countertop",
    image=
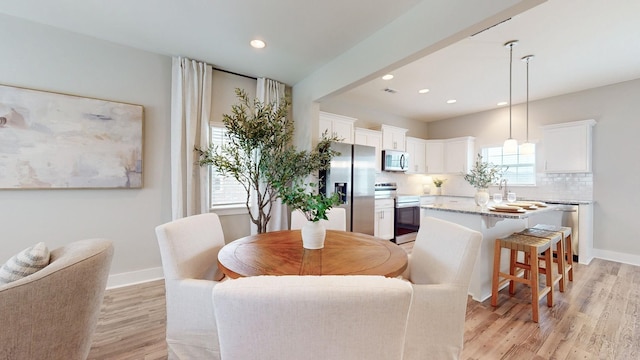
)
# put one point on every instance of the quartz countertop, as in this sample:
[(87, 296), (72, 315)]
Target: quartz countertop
[(474, 209), (554, 201)]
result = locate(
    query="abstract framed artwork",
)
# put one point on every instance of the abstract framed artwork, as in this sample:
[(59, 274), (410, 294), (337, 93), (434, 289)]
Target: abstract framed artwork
[(57, 141)]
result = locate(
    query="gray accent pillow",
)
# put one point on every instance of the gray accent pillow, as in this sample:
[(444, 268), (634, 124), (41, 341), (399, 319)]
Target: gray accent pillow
[(25, 263)]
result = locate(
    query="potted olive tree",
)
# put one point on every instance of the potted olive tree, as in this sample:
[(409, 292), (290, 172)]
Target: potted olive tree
[(259, 154)]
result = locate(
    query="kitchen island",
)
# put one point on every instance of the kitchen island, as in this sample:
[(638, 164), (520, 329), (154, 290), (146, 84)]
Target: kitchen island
[(492, 225)]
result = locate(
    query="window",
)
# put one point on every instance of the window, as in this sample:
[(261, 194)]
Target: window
[(522, 168), (225, 190)]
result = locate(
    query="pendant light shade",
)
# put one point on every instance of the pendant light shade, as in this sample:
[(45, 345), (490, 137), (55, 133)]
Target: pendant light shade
[(528, 147), (510, 146)]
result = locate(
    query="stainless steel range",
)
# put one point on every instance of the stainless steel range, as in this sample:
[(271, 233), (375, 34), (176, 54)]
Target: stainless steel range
[(407, 212)]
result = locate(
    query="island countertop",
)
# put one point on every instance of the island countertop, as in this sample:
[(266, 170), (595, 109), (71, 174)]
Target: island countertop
[(474, 209)]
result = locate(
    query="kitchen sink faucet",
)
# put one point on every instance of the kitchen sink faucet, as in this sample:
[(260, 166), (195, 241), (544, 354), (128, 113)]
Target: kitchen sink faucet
[(505, 192)]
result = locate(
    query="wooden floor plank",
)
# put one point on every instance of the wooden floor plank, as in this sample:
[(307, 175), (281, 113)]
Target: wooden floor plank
[(597, 317)]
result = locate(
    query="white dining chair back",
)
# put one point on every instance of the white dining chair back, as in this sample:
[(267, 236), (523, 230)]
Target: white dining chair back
[(312, 317), (337, 219), (189, 250), (440, 269)]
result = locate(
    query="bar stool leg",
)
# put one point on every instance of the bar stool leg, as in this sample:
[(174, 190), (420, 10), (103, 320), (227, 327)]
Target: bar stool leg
[(496, 272), (513, 257), (562, 270), (535, 298), (548, 259), (569, 249)]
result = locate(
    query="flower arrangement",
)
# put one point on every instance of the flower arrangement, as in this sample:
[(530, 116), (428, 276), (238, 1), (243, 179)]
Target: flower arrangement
[(484, 174), (438, 182)]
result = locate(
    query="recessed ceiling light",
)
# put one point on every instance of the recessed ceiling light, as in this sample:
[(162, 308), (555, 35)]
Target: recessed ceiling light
[(502, 103), (387, 77), (452, 101), (258, 44), (423, 91)]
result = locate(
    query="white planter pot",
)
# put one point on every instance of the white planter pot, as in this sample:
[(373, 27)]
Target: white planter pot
[(482, 197), (313, 234)]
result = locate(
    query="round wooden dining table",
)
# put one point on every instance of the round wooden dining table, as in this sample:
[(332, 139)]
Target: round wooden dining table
[(281, 253)]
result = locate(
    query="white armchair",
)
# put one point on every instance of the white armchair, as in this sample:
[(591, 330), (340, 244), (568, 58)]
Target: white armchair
[(337, 219), (189, 249), (53, 313), (312, 317), (440, 268)]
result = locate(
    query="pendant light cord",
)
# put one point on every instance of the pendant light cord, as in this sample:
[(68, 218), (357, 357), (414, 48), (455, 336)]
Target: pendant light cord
[(527, 99), (510, 84), (527, 59)]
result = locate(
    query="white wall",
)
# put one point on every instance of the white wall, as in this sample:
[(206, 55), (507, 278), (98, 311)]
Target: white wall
[(44, 58), (616, 167)]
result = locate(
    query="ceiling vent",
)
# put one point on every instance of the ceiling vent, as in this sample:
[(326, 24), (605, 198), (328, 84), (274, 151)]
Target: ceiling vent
[(390, 90)]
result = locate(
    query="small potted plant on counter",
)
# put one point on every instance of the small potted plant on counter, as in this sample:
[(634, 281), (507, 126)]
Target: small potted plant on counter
[(438, 183)]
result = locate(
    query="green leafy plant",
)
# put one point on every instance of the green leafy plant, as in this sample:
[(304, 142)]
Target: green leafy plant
[(484, 174), (438, 182), (260, 155), (314, 205)]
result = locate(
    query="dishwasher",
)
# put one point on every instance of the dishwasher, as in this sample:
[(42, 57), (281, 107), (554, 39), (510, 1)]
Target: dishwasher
[(569, 218)]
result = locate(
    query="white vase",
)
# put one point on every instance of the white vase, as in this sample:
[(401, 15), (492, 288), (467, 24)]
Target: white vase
[(313, 234), (437, 191), (481, 197)]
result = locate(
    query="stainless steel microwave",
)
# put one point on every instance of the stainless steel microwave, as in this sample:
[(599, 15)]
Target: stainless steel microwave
[(394, 160)]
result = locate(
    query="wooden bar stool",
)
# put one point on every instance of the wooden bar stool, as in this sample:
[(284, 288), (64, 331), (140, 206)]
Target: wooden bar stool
[(556, 240), (568, 247), (531, 246)]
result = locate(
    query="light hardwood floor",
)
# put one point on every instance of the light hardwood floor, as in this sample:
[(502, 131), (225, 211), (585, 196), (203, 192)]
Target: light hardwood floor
[(597, 317)]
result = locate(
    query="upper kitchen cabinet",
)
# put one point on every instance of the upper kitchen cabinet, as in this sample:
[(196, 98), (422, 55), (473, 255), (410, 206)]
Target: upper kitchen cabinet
[(338, 125), (371, 138), (393, 138), (458, 155), (567, 147), (416, 148), (434, 157)]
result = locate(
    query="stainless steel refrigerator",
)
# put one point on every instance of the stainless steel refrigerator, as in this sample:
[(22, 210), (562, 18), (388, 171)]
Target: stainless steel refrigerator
[(353, 173)]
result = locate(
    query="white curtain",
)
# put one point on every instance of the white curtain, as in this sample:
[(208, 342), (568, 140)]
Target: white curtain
[(269, 91), (191, 96)]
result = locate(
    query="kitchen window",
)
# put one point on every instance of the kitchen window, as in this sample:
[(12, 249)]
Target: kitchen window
[(226, 192), (522, 168)]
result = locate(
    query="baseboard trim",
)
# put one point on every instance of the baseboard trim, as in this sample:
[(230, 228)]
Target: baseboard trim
[(617, 257), (134, 277)]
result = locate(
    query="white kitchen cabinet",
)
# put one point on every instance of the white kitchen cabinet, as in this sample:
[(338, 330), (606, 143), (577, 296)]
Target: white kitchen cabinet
[(567, 147), (458, 155), (393, 138), (371, 138), (383, 221), (434, 156), (416, 148), (338, 125)]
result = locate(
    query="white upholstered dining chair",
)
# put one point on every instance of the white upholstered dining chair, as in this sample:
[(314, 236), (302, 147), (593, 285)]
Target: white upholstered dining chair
[(440, 268), (312, 317), (189, 249), (336, 219)]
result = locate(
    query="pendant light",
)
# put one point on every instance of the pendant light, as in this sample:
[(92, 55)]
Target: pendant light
[(527, 148), (510, 146)]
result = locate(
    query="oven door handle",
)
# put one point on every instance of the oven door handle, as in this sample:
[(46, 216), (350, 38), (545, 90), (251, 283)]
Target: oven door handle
[(407, 205)]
